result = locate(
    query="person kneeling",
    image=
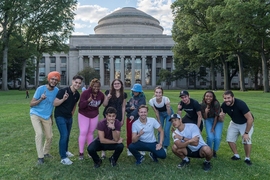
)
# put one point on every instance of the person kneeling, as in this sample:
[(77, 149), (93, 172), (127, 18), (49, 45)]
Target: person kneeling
[(143, 137), (188, 142), (108, 138)]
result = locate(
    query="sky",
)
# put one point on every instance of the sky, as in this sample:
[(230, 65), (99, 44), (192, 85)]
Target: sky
[(89, 12)]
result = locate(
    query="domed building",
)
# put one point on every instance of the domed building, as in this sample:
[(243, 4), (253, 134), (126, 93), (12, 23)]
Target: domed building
[(128, 44), (128, 21)]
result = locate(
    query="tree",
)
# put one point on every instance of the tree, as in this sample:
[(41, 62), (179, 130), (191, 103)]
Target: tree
[(11, 12), (192, 33), (166, 76), (246, 23), (89, 73), (216, 30), (49, 28), (46, 25)]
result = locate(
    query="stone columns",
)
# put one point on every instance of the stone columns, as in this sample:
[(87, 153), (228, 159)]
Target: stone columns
[(143, 70), (111, 69), (91, 63), (101, 70), (58, 64), (47, 65), (80, 63), (173, 68), (122, 69), (163, 67), (132, 70), (154, 71)]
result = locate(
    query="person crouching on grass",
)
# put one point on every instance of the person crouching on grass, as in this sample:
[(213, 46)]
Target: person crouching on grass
[(188, 142), (143, 137), (108, 138)]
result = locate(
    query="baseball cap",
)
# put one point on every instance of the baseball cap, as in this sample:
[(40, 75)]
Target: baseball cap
[(173, 116), (184, 93)]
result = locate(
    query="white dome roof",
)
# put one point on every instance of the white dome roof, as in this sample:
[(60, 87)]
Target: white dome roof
[(128, 20)]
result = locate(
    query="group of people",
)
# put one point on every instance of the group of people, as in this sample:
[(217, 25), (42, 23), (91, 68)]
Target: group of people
[(140, 129)]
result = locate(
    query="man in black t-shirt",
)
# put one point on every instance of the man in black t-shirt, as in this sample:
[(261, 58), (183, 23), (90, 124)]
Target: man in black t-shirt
[(241, 123), (65, 105), (192, 109)]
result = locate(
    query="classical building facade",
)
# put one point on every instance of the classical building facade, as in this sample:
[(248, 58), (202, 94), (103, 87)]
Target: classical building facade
[(128, 44)]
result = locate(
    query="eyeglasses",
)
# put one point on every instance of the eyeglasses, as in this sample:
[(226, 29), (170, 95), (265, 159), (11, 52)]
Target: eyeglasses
[(53, 79), (116, 83)]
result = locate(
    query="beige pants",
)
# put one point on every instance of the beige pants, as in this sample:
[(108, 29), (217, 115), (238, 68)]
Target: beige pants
[(39, 125)]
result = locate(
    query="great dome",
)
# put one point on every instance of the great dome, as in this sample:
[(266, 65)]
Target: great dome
[(128, 20)]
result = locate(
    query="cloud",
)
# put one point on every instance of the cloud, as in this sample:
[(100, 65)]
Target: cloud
[(79, 25), (159, 9), (87, 16), (78, 33), (90, 13)]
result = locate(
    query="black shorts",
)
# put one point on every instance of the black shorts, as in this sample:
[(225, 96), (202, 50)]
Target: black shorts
[(195, 154)]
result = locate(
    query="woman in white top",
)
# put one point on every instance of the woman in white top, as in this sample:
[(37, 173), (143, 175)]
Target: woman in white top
[(161, 106)]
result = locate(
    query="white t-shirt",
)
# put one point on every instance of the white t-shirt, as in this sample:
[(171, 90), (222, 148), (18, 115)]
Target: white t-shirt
[(149, 134), (160, 107), (153, 102), (190, 131)]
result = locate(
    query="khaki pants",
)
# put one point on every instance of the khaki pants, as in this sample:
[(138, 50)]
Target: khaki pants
[(39, 125)]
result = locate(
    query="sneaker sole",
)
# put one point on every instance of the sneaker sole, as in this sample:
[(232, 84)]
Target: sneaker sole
[(66, 163), (180, 167)]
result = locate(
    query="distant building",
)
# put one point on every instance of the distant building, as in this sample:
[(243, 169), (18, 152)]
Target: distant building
[(128, 44)]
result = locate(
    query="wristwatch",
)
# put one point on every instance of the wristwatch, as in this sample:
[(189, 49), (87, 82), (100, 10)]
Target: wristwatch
[(113, 129), (246, 132)]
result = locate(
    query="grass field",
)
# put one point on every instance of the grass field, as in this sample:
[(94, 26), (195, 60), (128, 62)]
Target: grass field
[(18, 154)]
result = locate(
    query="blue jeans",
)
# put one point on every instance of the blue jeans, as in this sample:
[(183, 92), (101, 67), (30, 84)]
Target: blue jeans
[(64, 126), (134, 148), (213, 137), (166, 126)]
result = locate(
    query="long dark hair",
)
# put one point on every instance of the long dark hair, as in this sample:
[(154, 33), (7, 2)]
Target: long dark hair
[(214, 98), (113, 91)]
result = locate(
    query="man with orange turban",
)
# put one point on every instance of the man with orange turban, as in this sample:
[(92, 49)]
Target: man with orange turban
[(41, 114)]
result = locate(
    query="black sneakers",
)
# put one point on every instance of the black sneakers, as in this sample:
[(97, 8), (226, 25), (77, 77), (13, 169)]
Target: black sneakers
[(235, 158), (183, 164), (248, 162), (48, 156), (151, 155), (214, 154), (97, 165), (40, 161), (206, 166), (139, 161), (112, 161)]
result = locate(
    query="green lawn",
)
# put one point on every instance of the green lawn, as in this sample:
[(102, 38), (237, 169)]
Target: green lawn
[(18, 154)]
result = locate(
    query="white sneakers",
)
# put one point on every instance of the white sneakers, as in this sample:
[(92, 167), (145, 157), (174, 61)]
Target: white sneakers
[(142, 153), (66, 161), (69, 154), (129, 153), (165, 150)]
